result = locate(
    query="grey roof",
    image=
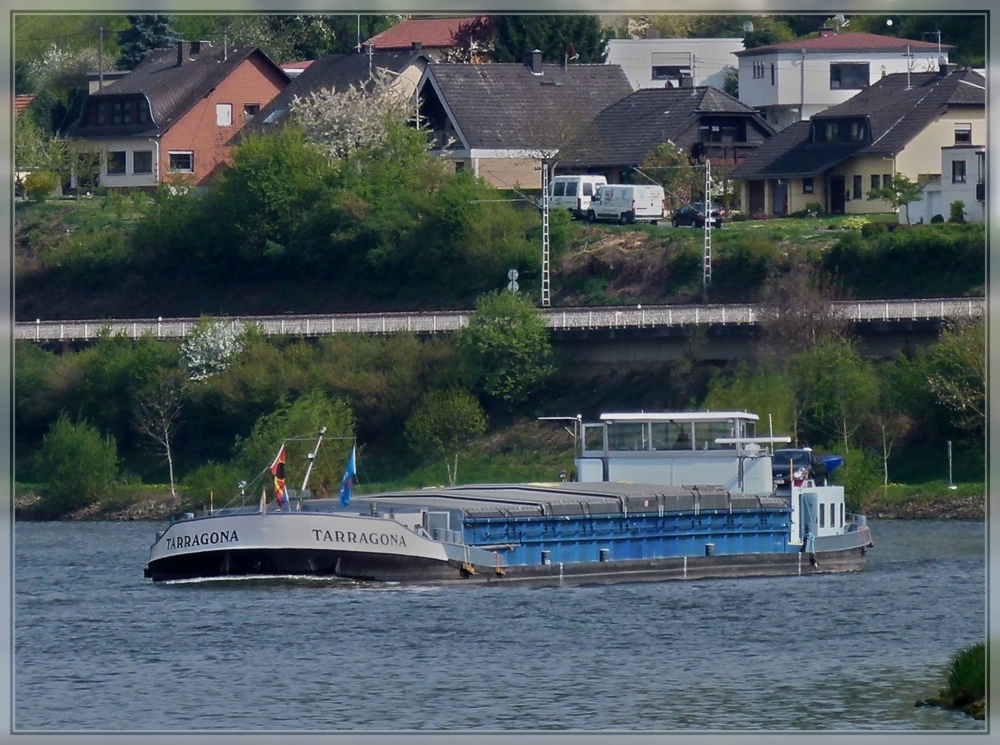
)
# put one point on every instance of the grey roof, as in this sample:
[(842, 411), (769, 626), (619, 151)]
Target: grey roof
[(898, 107), (505, 106), (171, 89), (627, 132), (337, 71)]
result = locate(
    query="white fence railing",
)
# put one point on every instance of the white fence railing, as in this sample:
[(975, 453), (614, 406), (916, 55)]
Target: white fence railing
[(445, 321)]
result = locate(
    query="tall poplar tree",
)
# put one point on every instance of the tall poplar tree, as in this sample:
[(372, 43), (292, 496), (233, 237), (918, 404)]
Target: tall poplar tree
[(555, 36)]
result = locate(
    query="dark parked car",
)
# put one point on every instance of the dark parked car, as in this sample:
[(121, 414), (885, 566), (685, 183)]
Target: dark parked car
[(694, 215), (804, 463)]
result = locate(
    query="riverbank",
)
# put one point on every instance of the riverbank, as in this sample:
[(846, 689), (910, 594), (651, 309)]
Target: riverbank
[(922, 504)]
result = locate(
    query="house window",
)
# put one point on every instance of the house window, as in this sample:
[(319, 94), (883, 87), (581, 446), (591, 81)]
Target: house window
[(876, 182), (848, 75), (181, 162), (772, 74), (958, 172), (127, 112), (116, 163), (116, 112), (250, 111), (102, 112), (807, 185), (963, 133), (857, 187), (142, 161), (224, 114), (887, 180), (143, 113)]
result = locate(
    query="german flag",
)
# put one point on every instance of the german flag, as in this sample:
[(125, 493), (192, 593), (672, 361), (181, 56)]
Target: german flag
[(278, 471)]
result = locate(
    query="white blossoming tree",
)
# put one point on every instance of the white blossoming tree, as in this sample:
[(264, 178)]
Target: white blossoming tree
[(211, 347), (357, 117)]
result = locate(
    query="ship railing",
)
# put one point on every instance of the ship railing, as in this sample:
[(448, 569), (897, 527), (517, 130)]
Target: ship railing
[(853, 521)]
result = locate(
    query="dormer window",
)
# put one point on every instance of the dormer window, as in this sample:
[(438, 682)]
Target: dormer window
[(841, 130)]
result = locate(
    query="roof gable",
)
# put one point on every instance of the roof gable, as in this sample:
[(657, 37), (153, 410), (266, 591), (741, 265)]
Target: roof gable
[(174, 80), (337, 71), (505, 106), (898, 107), (854, 41), (429, 32), (630, 130)]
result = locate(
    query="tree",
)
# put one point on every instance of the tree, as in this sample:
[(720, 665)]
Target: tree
[(474, 41), (297, 423), (797, 311), (157, 410), (957, 374), (358, 117), (890, 416), (144, 34), (506, 348), (767, 30), (673, 170), (76, 465), (557, 37), (442, 422), (210, 347), (899, 192)]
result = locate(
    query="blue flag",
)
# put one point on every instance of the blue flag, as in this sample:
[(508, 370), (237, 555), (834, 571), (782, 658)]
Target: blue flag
[(348, 482)]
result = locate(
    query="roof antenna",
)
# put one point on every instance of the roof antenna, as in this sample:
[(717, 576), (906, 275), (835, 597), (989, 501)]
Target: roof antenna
[(225, 42)]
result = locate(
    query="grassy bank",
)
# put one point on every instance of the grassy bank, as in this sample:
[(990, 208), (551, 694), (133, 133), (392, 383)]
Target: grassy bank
[(931, 500), (965, 688)]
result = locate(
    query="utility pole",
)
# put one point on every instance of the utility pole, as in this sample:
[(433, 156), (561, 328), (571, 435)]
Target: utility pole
[(706, 278), (545, 233), (100, 57)]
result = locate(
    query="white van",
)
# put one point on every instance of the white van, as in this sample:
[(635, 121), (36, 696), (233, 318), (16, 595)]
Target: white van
[(574, 193), (627, 203)]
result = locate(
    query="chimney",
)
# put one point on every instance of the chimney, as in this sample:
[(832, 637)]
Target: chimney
[(687, 80), (943, 69), (180, 53), (416, 46), (533, 60), (196, 47), (825, 32)]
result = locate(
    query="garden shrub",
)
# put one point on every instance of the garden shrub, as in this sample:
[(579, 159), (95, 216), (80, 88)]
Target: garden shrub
[(937, 219), (40, 185), (957, 212)]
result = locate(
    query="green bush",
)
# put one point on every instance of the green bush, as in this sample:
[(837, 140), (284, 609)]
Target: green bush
[(967, 676), (957, 212), (77, 466), (40, 185), (937, 219)]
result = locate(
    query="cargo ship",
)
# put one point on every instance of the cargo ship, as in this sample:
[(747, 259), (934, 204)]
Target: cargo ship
[(656, 496)]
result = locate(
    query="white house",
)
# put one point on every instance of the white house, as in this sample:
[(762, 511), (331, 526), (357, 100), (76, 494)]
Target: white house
[(794, 80), (676, 63), (963, 178)]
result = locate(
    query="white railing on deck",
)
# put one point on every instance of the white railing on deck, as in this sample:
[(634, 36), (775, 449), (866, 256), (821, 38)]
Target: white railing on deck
[(447, 321)]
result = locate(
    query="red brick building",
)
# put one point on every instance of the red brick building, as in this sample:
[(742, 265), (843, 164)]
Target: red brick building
[(169, 120)]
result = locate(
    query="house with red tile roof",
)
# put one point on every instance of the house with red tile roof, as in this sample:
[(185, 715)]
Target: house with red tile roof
[(170, 119), (793, 80), (436, 36)]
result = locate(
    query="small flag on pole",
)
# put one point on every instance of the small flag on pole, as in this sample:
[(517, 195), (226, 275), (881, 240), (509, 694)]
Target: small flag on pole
[(348, 481), (278, 471)]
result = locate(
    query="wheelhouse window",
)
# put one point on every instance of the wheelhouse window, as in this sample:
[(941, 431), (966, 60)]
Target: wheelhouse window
[(958, 172), (627, 436), (116, 163), (849, 75), (773, 74), (963, 133), (142, 161), (822, 515), (705, 434), (181, 162)]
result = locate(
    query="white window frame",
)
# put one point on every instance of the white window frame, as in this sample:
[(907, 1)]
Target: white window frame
[(224, 114), (170, 161)]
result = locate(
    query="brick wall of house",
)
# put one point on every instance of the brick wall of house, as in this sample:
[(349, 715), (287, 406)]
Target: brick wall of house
[(254, 82)]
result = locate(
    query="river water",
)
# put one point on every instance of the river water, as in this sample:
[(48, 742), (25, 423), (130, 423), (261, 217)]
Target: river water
[(97, 647)]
